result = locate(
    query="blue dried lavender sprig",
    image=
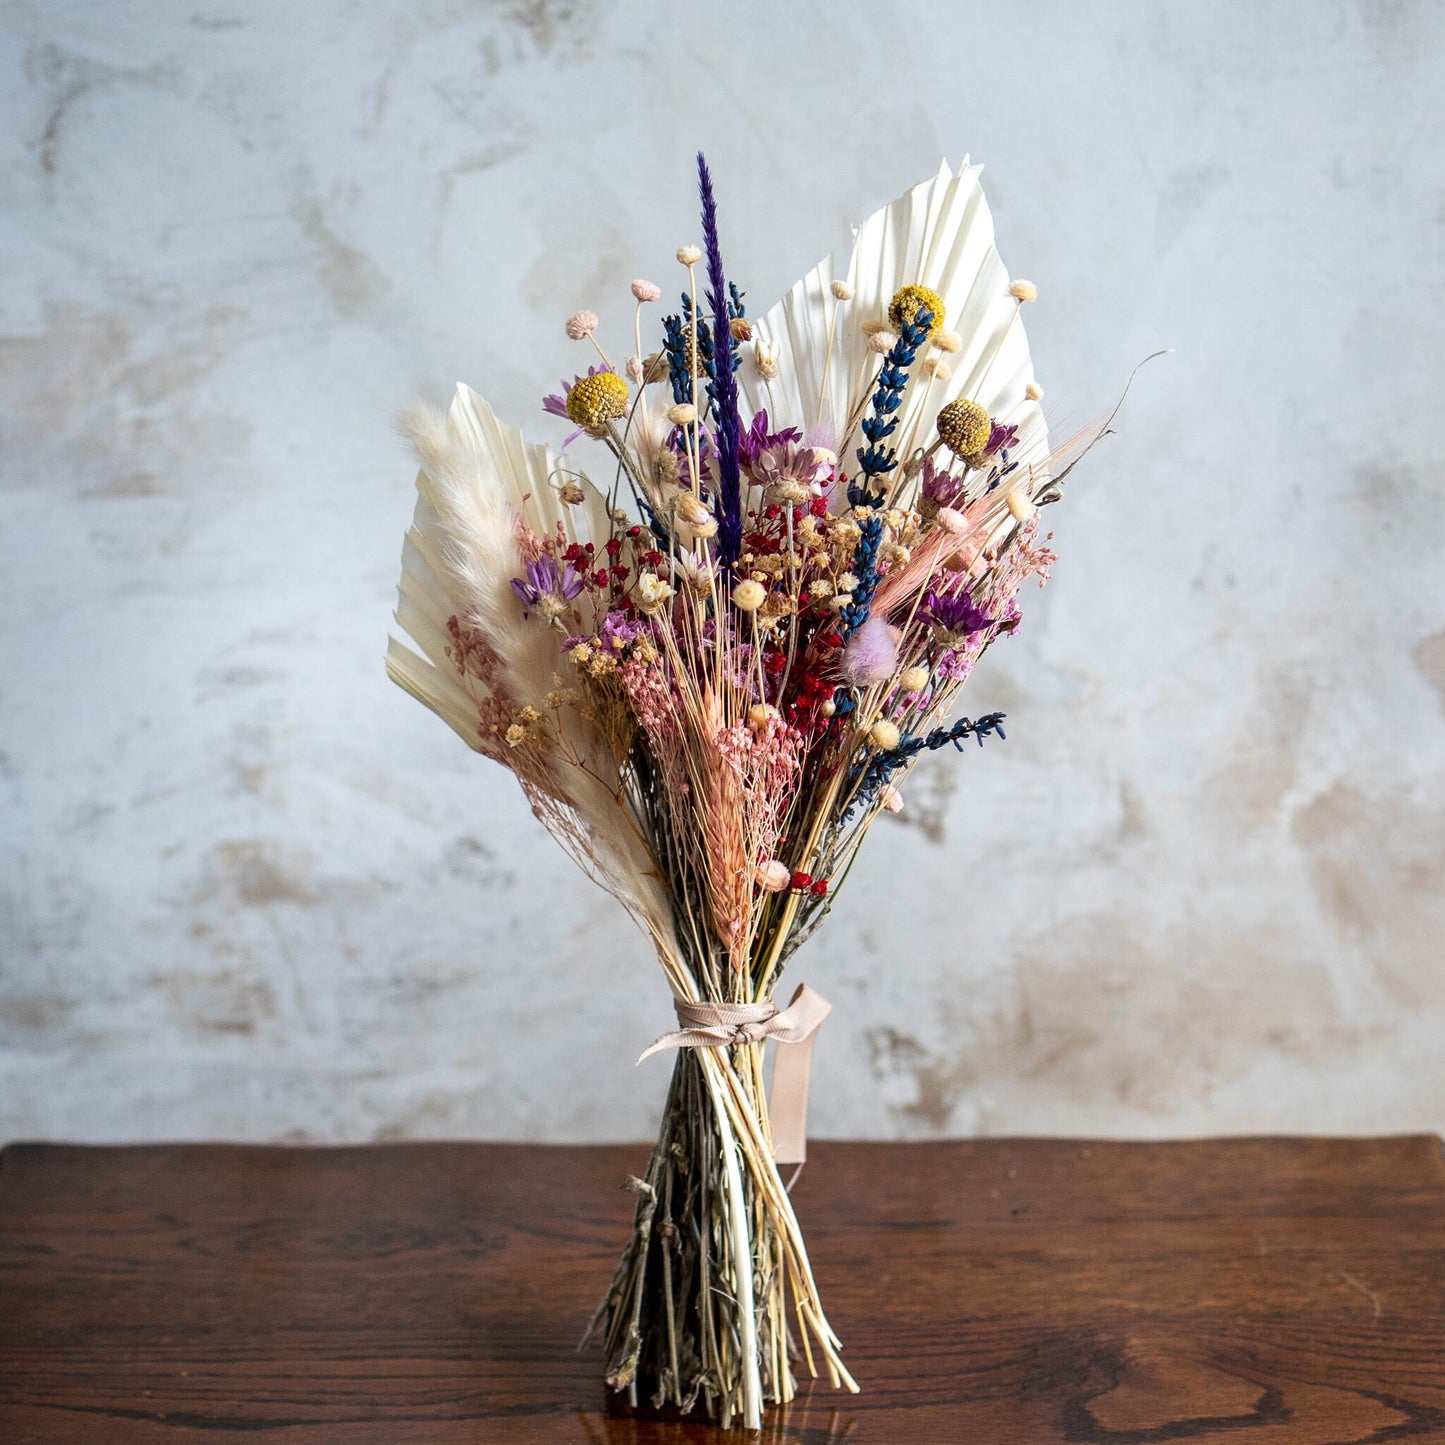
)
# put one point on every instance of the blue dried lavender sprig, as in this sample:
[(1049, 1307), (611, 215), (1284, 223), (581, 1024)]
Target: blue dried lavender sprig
[(876, 460), (723, 386), (865, 569), (881, 767), (678, 350)]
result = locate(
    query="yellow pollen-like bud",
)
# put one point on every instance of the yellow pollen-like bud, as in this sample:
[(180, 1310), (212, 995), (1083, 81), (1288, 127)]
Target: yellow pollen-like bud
[(908, 301), (964, 427), (597, 399)]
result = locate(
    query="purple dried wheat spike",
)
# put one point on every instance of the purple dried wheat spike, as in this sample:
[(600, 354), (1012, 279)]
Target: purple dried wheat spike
[(725, 397)]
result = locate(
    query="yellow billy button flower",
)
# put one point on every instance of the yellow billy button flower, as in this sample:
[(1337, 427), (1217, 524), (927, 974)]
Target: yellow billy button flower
[(908, 301), (964, 427), (597, 399)]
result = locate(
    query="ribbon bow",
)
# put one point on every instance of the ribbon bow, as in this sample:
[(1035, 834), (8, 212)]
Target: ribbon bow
[(706, 1025)]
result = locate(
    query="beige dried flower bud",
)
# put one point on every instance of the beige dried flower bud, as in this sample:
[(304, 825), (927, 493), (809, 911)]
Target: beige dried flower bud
[(913, 679), (1034, 391), (882, 342), (827, 707), (689, 255), (872, 327), (748, 596), (847, 582), (890, 798), (884, 735), (842, 291), (635, 371), (572, 492), (765, 358), (683, 414), (949, 341), (645, 290), (951, 520), (773, 876), (740, 329), (937, 367), (1020, 506), (1024, 291)]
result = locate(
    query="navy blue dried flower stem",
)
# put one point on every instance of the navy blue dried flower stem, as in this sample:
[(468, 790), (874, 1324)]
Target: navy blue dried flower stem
[(882, 766), (875, 461), (729, 503)]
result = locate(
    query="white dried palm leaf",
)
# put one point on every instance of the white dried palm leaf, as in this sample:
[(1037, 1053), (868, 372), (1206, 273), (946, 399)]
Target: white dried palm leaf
[(939, 234), (478, 478)]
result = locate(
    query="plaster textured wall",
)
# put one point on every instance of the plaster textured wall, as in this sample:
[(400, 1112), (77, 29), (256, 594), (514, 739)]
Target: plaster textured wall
[(250, 890)]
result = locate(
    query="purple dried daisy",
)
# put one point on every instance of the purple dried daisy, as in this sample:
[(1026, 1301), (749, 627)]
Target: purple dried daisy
[(954, 617)]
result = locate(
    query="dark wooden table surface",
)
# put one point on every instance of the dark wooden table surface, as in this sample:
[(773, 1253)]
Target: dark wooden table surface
[(1264, 1292)]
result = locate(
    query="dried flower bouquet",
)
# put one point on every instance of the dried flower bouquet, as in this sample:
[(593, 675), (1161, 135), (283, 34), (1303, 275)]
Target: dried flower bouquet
[(712, 663)]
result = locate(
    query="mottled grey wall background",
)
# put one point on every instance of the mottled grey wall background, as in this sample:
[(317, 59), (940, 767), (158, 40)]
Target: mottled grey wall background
[(251, 890)]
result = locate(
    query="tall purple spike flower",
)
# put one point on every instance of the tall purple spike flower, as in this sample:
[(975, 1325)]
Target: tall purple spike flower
[(725, 395)]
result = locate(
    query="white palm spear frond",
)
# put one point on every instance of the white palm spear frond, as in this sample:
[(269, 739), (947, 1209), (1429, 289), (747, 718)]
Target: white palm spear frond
[(478, 479), (939, 234)]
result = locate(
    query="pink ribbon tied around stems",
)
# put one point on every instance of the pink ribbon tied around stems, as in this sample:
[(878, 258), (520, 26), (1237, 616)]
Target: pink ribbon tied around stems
[(707, 1025)]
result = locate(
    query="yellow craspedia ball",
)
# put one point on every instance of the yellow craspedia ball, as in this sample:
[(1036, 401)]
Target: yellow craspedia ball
[(597, 399), (964, 426), (908, 301)]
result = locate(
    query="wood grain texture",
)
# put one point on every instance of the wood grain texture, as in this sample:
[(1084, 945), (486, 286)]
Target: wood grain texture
[(1269, 1291)]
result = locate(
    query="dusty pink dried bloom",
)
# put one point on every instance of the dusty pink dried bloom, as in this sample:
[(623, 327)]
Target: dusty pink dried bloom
[(646, 291), (581, 325)]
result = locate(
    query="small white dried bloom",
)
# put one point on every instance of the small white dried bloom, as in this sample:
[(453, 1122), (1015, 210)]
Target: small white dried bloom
[(1020, 506), (765, 358), (683, 414), (651, 591), (581, 325), (913, 679), (936, 366), (891, 798), (884, 735), (894, 554), (789, 493), (1024, 291), (882, 342), (847, 582), (842, 291), (748, 596), (1034, 391), (820, 589), (949, 341), (689, 255), (952, 521)]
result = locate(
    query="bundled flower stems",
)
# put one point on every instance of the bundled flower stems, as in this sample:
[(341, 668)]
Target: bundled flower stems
[(711, 659)]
